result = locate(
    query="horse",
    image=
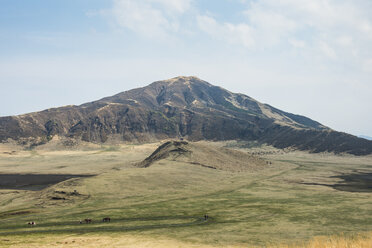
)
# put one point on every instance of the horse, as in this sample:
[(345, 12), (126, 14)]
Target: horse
[(107, 219), (87, 221), (32, 223)]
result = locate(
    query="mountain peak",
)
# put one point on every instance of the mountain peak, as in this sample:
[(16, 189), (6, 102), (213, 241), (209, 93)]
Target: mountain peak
[(184, 106), (183, 80)]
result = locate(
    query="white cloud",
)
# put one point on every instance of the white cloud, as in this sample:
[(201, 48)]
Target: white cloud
[(345, 40), (234, 34), (327, 50), (367, 65), (269, 26), (151, 18), (297, 43), (322, 28), (330, 28), (179, 6)]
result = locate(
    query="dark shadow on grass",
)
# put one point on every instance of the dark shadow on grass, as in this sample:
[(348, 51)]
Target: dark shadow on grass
[(354, 182), (33, 182)]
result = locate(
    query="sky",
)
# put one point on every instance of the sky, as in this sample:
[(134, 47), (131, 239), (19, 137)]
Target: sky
[(312, 58)]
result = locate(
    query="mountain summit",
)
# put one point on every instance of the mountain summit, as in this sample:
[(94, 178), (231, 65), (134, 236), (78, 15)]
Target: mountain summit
[(180, 107)]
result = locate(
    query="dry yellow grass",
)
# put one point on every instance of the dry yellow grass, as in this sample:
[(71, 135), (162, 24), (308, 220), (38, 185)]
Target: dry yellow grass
[(132, 241), (96, 241), (340, 241), (46, 160)]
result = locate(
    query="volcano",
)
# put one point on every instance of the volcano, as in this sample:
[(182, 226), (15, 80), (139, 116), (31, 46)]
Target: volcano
[(181, 107)]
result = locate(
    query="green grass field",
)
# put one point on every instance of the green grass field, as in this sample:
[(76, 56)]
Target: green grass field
[(284, 202)]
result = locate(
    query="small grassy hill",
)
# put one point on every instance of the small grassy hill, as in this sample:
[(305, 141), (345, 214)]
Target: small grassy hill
[(206, 156)]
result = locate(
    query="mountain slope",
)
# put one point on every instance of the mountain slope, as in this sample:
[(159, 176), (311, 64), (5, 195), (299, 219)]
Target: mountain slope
[(182, 106)]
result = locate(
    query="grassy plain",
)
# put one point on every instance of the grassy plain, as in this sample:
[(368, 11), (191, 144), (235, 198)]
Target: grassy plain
[(285, 202)]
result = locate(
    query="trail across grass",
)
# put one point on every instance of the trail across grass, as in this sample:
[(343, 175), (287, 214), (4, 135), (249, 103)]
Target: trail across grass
[(117, 225)]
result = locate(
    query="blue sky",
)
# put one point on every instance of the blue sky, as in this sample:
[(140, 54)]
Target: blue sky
[(306, 57)]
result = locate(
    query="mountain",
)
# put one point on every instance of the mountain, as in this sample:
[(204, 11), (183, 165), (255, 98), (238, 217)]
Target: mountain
[(180, 107), (365, 137)]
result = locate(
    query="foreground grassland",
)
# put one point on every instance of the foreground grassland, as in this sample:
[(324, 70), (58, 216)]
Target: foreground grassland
[(285, 202), (127, 241)]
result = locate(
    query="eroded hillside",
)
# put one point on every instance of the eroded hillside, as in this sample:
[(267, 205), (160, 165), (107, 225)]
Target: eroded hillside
[(180, 107)]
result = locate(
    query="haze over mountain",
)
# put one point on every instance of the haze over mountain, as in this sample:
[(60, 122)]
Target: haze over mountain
[(180, 107)]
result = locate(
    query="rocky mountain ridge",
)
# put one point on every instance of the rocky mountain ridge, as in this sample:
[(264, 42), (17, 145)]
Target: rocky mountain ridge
[(180, 107)]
